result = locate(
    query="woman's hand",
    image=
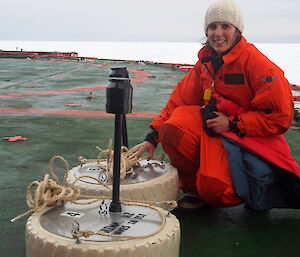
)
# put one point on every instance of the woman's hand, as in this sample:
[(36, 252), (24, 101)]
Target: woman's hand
[(219, 124), (147, 147)]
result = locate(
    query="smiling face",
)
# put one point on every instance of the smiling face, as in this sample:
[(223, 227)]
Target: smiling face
[(221, 36)]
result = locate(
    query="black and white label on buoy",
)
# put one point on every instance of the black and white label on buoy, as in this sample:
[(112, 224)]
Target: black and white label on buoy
[(72, 214), (133, 220)]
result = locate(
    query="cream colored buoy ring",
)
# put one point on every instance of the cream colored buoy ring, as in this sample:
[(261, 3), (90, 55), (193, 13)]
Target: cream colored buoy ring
[(138, 230), (151, 181)]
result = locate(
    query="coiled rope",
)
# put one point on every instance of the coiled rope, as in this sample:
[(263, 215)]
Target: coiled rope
[(129, 158)]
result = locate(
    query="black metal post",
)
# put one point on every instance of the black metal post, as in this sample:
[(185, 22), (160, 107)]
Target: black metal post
[(124, 131), (118, 102), (115, 205)]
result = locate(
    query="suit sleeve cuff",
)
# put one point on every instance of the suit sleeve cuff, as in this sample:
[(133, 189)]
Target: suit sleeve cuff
[(152, 137), (233, 125)]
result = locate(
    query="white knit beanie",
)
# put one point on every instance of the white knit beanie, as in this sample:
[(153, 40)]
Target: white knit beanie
[(224, 11)]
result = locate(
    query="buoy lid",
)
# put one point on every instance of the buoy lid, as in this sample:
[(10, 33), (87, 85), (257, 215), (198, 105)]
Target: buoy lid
[(133, 220)]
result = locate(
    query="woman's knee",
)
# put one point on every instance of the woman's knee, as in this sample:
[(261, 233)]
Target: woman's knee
[(185, 121)]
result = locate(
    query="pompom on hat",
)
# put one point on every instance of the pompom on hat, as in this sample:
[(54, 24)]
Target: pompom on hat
[(224, 11)]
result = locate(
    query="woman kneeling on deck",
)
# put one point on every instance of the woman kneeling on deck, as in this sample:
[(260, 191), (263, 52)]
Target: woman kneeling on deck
[(222, 126)]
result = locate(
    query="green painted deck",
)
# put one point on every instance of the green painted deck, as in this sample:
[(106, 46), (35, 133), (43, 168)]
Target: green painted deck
[(33, 102)]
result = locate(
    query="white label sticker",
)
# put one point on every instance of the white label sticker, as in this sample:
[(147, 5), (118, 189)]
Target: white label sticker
[(72, 214)]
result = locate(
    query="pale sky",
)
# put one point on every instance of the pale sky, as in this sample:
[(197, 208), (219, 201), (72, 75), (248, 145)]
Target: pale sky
[(266, 21)]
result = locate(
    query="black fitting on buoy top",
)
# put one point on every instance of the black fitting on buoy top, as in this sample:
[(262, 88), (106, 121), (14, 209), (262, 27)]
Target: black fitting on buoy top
[(118, 102), (119, 72), (119, 92)]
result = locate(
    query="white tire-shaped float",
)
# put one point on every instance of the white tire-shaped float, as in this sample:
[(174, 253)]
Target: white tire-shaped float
[(48, 234), (153, 181)]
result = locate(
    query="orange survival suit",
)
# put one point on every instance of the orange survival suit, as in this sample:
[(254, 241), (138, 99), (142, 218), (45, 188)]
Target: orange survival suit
[(247, 78)]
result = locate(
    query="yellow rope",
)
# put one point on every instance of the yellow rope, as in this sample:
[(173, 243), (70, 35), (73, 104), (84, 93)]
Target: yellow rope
[(86, 176), (51, 170), (128, 159)]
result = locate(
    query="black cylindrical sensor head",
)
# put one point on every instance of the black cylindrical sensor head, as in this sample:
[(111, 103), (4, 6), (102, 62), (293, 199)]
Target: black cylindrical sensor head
[(119, 92), (119, 72)]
